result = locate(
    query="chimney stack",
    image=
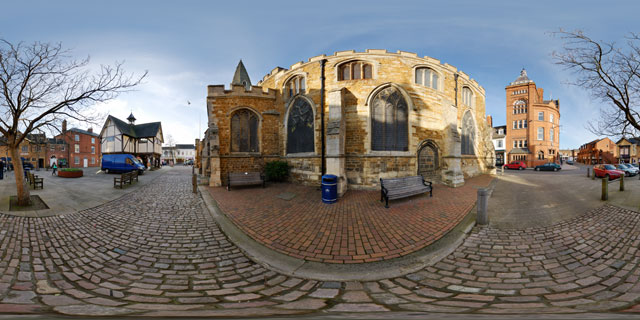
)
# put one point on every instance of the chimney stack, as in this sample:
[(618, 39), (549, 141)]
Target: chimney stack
[(90, 130), (490, 121), (64, 126)]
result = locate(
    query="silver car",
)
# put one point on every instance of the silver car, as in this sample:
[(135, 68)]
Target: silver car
[(628, 170)]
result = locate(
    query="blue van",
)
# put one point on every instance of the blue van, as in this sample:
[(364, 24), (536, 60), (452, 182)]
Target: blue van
[(121, 163)]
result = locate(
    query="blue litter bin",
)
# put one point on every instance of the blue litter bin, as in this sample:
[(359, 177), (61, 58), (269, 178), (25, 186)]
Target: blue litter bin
[(329, 188)]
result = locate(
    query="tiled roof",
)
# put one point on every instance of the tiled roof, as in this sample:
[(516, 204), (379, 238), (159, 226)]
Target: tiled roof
[(84, 132), (144, 130)]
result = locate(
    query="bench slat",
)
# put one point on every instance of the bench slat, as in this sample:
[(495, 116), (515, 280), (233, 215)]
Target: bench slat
[(396, 188)]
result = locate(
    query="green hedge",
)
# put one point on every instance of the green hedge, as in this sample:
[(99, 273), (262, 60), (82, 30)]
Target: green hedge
[(70, 169), (276, 170)]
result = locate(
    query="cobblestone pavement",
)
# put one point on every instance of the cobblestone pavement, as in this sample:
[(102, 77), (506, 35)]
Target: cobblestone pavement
[(157, 252), (358, 228)]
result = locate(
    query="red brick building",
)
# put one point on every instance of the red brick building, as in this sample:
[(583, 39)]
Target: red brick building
[(597, 151), (533, 124), (82, 147)]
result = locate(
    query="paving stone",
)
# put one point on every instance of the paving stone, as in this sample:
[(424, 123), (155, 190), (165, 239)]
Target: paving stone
[(304, 304), (358, 307), (325, 293), (92, 310), (356, 296), (19, 297)]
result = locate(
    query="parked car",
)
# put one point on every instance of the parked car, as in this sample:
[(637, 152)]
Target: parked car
[(188, 163), (121, 163), (517, 165), (607, 170), (548, 167), (569, 162), (629, 171), (635, 165)]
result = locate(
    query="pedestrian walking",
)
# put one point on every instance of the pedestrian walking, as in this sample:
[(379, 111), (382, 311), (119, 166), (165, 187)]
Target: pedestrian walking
[(54, 169)]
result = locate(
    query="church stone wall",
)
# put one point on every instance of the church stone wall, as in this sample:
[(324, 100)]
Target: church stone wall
[(433, 116)]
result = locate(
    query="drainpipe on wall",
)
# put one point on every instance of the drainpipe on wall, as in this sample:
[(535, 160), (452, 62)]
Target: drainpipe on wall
[(455, 77), (322, 78)]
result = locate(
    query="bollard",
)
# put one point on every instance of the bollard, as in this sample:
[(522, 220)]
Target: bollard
[(588, 172), (483, 204), (194, 181), (605, 188), (593, 176), (622, 182)]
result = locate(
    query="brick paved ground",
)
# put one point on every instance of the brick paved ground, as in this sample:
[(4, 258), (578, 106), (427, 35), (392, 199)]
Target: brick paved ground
[(157, 252), (358, 228)]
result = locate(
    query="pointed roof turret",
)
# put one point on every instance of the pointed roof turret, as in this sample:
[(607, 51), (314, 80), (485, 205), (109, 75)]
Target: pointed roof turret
[(523, 78), (241, 77), (131, 118)]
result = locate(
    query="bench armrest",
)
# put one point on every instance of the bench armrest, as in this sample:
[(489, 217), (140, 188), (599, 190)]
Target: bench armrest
[(382, 188)]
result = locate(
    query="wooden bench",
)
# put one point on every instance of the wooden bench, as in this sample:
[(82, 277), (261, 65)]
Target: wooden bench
[(397, 188), (125, 178), (35, 181), (244, 179)]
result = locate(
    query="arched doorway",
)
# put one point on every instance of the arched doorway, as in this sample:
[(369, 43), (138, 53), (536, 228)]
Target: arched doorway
[(428, 161)]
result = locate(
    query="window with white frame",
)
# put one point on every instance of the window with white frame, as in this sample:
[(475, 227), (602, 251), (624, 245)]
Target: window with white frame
[(525, 143), (541, 116), (467, 96), (551, 134), (515, 143), (77, 148), (499, 143), (541, 133), (77, 137), (515, 126), (551, 117), (93, 150), (93, 160), (76, 160), (524, 123), (427, 77), (93, 140)]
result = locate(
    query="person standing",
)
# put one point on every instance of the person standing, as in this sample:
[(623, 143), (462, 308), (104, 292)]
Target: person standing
[(54, 169)]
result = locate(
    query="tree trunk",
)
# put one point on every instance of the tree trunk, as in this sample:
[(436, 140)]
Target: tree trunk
[(24, 197)]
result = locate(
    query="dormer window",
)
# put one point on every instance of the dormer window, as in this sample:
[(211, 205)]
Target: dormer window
[(295, 85), (427, 77), (355, 70)]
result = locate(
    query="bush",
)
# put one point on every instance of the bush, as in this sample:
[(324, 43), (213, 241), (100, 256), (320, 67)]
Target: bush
[(276, 170), (70, 169)]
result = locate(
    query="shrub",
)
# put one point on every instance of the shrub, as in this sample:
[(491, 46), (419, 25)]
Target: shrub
[(70, 169), (276, 170)]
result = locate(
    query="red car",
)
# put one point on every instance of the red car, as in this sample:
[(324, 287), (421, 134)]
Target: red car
[(607, 170), (519, 165)]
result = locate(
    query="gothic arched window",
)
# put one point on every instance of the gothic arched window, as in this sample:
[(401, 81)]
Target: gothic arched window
[(355, 70), (300, 133), (244, 131), (468, 135), (427, 77), (389, 121), (294, 86), (467, 96)]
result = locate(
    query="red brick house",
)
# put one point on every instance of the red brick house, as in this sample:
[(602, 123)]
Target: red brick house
[(82, 147)]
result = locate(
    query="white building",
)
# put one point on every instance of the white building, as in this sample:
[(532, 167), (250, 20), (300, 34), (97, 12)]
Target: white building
[(179, 153), (499, 143)]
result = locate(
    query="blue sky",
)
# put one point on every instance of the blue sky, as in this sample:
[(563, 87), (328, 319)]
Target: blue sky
[(187, 45)]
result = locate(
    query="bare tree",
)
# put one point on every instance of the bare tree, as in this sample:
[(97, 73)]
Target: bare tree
[(171, 143), (41, 85), (611, 74)]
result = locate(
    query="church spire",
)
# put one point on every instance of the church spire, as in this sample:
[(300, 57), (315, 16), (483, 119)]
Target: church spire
[(241, 77)]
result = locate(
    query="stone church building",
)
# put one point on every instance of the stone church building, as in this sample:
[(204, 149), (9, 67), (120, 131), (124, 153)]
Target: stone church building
[(359, 115)]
